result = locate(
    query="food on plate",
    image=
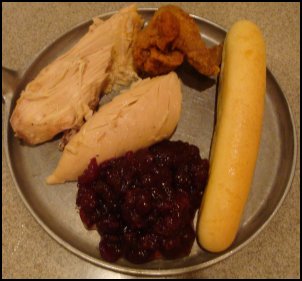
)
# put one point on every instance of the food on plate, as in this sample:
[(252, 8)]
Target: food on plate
[(139, 190), (170, 37), (237, 134), (139, 117), (143, 203), (66, 92)]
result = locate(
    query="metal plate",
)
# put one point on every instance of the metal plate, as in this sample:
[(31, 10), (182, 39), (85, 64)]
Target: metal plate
[(54, 206)]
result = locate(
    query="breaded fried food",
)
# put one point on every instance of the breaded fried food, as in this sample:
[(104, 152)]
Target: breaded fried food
[(170, 37)]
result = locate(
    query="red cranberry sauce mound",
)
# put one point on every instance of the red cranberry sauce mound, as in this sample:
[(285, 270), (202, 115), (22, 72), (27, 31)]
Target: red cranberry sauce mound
[(143, 204)]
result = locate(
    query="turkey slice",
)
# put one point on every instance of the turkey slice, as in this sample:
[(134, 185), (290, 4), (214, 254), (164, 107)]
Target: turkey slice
[(139, 117), (65, 93)]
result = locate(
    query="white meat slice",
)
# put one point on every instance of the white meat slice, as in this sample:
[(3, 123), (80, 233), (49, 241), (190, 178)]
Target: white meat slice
[(139, 117), (65, 93)]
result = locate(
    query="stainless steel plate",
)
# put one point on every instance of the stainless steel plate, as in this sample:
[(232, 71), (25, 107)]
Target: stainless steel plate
[(54, 206)]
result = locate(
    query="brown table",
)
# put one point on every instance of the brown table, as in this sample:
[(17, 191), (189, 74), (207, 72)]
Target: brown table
[(27, 250)]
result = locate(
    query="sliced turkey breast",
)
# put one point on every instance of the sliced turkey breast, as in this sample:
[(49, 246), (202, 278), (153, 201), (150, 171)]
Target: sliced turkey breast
[(67, 91), (139, 117)]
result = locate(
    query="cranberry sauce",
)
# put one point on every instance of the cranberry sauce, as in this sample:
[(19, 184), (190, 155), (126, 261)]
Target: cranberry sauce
[(143, 204)]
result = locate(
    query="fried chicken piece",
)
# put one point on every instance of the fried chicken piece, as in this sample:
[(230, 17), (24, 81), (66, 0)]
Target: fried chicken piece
[(170, 37)]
